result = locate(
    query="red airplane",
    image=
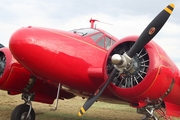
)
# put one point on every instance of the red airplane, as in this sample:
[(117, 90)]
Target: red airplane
[(44, 64)]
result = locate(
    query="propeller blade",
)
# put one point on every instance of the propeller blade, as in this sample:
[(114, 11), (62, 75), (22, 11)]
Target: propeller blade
[(98, 92), (1, 46), (2, 63), (151, 30)]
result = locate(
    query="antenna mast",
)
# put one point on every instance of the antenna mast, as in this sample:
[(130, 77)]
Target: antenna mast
[(92, 22)]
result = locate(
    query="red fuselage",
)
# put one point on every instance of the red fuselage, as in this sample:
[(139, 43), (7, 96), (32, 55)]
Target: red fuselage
[(62, 57), (57, 56), (79, 63)]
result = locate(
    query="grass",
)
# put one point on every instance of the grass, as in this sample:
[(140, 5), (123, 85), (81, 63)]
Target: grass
[(99, 111), (68, 109)]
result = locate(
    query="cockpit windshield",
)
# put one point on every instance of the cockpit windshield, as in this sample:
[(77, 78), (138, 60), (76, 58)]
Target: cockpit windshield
[(84, 31), (101, 38)]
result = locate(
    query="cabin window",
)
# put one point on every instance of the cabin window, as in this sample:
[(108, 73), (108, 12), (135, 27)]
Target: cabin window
[(96, 36), (107, 43), (102, 39), (101, 42)]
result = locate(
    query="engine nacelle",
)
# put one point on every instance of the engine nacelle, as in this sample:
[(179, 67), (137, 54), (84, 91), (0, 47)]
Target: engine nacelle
[(13, 77), (155, 76)]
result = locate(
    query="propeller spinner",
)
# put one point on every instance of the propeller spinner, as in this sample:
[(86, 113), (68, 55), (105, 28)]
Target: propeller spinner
[(124, 62)]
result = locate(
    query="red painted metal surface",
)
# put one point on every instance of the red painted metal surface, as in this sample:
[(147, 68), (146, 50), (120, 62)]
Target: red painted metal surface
[(15, 77), (15, 80), (58, 56)]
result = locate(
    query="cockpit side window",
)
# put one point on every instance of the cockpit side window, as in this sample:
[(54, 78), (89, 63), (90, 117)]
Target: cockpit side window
[(101, 39), (96, 36), (101, 42), (107, 43), (112, 42)]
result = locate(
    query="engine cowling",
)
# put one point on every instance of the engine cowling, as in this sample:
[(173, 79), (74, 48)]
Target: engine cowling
[(11, 69), (154, 76)]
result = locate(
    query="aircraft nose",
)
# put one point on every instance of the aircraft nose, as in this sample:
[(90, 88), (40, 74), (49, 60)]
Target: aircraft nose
[(21, 43)]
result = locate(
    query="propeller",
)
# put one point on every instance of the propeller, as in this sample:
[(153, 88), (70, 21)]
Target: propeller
[(1, 46), (2, 63), (124, 62), (151, 30)]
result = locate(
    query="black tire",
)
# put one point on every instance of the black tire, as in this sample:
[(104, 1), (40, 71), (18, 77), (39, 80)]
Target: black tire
[(21, 111)]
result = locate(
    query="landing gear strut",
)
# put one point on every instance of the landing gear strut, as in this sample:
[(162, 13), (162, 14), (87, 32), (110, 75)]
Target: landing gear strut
[(24, 111), (148, 111)]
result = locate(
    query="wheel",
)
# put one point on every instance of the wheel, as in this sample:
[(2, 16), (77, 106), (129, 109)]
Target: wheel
[(21, 111)]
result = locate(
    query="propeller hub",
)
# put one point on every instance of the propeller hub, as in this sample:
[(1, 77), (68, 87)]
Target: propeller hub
[(117, 59), (122, 62)]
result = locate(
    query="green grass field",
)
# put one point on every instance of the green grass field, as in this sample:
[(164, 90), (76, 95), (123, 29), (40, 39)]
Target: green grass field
[(68, 109)]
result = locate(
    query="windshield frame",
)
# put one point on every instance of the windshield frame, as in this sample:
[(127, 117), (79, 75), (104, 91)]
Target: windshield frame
[(85, 31)]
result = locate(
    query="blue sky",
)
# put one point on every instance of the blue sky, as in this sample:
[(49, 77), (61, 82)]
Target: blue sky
[(126, 17)]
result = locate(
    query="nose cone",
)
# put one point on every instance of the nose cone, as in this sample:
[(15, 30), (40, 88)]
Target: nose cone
[(23, 48), (29, 47), (21, 43)]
